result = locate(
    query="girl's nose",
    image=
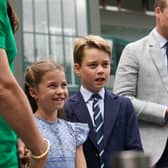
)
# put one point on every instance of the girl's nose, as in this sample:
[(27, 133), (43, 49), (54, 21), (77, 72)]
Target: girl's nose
[(59, 90)]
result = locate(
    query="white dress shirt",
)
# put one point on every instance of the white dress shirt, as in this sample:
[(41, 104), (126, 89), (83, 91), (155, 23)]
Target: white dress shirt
[(162, 42), (87, 95)]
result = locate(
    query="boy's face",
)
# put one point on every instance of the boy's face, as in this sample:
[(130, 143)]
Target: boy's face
[(94, 70)]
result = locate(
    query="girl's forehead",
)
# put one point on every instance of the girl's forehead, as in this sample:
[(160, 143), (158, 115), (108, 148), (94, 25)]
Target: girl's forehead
[(52, 71), (54, 74)]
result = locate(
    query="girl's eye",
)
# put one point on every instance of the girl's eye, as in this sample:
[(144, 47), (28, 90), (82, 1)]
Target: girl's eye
[(64, 85), (52, 86)]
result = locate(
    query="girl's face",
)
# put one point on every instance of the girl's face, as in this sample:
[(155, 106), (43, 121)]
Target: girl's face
[(52, 91)]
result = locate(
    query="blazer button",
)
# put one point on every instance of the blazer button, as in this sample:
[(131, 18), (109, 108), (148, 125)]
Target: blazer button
[(97, 155)]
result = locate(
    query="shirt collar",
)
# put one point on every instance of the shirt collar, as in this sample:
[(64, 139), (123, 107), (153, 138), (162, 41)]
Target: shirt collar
[(87, 94), (161, 39)]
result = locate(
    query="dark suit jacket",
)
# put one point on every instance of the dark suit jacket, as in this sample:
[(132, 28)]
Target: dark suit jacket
[(120, 127)]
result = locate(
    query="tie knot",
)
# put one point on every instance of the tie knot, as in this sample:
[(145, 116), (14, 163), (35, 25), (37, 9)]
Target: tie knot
[(96, 96)]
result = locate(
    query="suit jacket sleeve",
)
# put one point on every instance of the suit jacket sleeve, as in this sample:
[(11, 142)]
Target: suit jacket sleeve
[(126, 85), (133, 140)]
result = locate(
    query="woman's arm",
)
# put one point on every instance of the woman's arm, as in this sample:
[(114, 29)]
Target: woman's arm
[(15, 109), (80, 161)]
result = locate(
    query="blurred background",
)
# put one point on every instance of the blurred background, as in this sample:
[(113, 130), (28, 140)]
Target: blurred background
[(48, 29)]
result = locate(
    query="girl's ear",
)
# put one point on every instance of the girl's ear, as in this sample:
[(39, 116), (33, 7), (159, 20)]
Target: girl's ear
[(33, 93), (77, 69)]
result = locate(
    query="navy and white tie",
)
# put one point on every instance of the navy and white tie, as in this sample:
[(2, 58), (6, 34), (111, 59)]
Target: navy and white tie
[(98, 126)]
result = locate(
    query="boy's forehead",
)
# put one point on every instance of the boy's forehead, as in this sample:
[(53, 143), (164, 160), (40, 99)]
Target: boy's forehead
[(98, 60), (94, 52)]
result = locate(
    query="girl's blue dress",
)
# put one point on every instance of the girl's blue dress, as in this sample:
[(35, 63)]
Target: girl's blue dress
[(64, 137)]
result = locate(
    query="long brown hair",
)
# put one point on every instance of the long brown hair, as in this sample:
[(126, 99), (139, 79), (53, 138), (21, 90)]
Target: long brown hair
[(33, 77), (12, 17)]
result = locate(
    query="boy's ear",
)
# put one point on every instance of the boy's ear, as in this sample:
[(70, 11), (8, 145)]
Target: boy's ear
[(77, 69), (157, 11), (33, 93)]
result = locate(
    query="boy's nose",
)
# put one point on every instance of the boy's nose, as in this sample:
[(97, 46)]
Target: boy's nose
[(100, 69)]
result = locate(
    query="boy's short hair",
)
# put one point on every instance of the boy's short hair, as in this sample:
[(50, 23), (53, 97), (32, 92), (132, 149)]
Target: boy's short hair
[(88, 42), (162, 4)]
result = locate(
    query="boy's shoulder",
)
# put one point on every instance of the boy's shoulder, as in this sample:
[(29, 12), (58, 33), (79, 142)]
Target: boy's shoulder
[(108, 95), (117, 98), (75, 96), (73, 99)]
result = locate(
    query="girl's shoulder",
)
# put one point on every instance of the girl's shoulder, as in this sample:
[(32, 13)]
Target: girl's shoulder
[(80, 130), (75, 125)]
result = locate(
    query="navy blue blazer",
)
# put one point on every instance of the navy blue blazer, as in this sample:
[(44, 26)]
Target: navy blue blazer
[(120, 126)]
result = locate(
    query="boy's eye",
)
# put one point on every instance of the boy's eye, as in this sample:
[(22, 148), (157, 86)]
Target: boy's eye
[(92, 65), (106, 64)]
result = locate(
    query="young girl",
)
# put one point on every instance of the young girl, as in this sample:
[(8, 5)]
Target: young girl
[(46, 88)]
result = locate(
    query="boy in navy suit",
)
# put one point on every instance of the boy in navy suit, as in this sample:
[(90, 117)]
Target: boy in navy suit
[(111, 118)]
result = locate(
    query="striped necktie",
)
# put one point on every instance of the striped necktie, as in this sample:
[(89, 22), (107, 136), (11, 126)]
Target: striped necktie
[(98, 127)]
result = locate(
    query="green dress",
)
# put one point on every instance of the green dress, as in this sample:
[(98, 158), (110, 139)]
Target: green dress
[(8, 147)]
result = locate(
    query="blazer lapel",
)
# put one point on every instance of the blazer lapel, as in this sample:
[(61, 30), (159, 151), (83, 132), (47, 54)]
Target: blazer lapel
[(156, 54), (110, 114), (82, 113)]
